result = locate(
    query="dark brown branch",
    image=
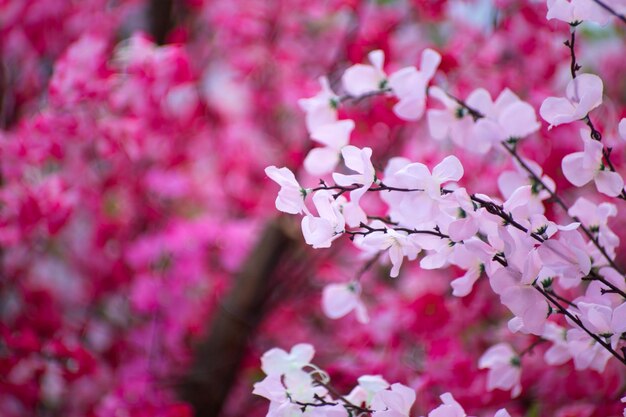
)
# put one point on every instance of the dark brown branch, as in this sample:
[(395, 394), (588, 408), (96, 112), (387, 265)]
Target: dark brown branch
[(580, 324), (216, 361), (161, 19)]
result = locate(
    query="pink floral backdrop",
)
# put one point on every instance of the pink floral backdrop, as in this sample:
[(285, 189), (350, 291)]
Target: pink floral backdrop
[(145, 269)]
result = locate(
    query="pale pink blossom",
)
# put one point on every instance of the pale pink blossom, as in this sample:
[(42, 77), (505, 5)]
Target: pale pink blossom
[(352, 212), (622, 128), (291, 195), (416, 208), (507, 117), (398, 243), (604, 320), (320, 232), (559, 352), (472, 256), (453, 122), (409, 86), (582, 94), (566, 256), (361, 79), (358, 160), (276, 361), (449, 408), (587, 353), (504, 368), (596, 218), (334, 136), (581, 167), (394, 402), (576, 11), (509, 181), (339, 300), (320, 109), (367, 388)]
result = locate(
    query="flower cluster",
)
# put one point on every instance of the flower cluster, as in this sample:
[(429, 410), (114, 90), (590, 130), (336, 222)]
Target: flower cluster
[(543, 269), (296, 387)]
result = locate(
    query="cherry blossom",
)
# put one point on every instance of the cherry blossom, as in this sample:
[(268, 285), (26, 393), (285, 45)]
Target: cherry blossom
[(398, 243), (409, 85), (357, 160), (416, 208), (334, 136), (278, 362), (320, 110), (507, 117), (449, 408), (576, 11), (361, 79), (395, 402), (291, 196), (368, 386), (320, 232), (504, 368), (454, 122), (339, 300), (582, 94), (509, 181), (604, 320), (596, 217), (581, 167)]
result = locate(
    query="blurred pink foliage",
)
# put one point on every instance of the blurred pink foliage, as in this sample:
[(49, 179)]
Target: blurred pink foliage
[(133, 190)]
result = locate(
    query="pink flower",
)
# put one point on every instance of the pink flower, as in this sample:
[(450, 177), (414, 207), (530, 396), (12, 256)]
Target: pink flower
[(409, 85), (604, 320), (360, 79), (575, 11), (395, 402), (334, 136), (453, 122), (320, 109), (581, 167), (472, 256), (507, 117), (320, 232), (416, 208), (449, 408), (291, 195), (596, 217), (509, 181), (566, 256), (357, 160), (278, 362), (504, 368), (582, 94), (368, 386), (339, 300)]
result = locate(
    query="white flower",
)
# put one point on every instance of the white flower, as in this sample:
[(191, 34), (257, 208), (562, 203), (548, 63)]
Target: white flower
[(504, 368), (291, 195), (582, 94), (340, 299), (320, 232), (278, 362), (357, 160)]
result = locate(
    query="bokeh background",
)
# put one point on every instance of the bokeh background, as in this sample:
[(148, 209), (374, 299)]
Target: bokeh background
[(143, 266)]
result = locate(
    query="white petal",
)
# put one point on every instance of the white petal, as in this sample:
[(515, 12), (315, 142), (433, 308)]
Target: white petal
[(321, 161), (450, 169), (609, 183)]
